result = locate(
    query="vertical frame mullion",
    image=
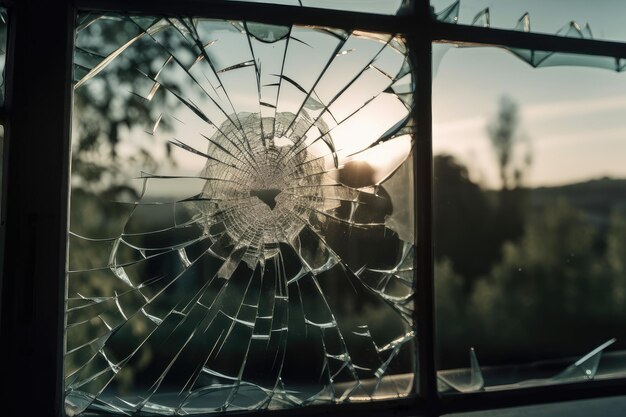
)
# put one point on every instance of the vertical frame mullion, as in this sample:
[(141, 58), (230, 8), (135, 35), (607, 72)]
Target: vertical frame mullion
[(36, 201), (8, 95), (420, 43)]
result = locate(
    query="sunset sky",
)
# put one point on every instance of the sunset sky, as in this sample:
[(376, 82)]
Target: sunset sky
[(573, 118)]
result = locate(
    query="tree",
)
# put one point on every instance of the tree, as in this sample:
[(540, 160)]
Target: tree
[(463, 217), (616, 260), (451, 310), (504, 134), (110, 108), (549, 291)]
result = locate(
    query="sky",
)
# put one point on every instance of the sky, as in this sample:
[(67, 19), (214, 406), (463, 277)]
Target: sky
[(361, 109), (571, 117)]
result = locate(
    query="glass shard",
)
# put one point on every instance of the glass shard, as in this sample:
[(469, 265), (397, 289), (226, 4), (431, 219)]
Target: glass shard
[(482, 18), (463, 380), (561, 17), (449, 14), (587, 366), (241, 232), (534, 57)]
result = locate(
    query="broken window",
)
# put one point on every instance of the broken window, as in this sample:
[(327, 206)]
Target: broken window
[(580, 19), (530, 226), (241, 227)]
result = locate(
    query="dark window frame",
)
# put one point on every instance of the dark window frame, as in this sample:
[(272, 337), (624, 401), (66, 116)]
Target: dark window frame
[(33, 226)]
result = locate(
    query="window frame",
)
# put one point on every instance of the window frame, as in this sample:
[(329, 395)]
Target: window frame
[(37, 119)]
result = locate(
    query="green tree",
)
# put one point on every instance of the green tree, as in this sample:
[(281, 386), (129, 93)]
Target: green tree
[(503, 132), (616, 261), (549, 289), (105, 113), (463, 216), (513, 166), (451, 309)]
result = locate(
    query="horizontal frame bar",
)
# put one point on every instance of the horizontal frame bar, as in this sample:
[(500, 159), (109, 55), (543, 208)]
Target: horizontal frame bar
[(481, 36), (454, 403), (282, 14), (407, 407), (259, 12)]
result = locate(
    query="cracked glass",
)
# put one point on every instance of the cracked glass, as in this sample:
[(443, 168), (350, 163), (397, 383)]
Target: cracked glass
[(242, 217), (529, 222), (574, 18)]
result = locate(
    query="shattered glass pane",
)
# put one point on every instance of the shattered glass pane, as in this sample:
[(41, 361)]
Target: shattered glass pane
[(575, 18), (241, 231), (529, 224), (388, 7)]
